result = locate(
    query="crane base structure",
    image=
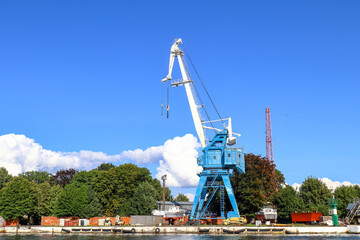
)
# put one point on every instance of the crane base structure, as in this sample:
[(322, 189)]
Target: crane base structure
[(215, 179), (218, 163)]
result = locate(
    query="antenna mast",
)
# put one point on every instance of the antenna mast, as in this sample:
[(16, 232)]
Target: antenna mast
[(269, 145)]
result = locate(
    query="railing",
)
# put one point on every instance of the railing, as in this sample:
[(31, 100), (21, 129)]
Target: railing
[(352, 212)]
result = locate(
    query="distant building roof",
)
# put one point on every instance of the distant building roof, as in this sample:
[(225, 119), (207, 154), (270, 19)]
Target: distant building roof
[(175, 203)]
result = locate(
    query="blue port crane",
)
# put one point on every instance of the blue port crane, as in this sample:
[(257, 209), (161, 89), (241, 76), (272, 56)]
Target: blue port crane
[(218, 160)]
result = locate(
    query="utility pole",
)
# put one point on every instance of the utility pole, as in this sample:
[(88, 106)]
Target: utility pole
[(163, 196)]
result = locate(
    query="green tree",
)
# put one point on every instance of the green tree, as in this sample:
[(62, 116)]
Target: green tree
[(168, 196), (115, 186), (5, 177), (181, 198), (17, 199), (142, 202), (315, 194), (44, 198), (36, 176), (346, 195), (85, 177), (55, 192), (78, 200), (157, 185), (94, 206), (257, 185), (287, 201), (105, 167), (72, 201), (63, 177)]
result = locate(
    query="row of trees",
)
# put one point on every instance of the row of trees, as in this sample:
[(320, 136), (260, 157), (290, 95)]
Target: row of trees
[(108, 190), (130, 190), (260, 185)]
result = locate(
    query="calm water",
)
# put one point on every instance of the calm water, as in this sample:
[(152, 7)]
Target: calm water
[(168, 237)]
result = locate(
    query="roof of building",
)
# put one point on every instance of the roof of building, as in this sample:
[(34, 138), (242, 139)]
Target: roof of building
[(175, 203)]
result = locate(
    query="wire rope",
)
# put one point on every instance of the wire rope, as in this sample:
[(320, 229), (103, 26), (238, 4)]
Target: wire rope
[(167, 99), (203, 85), (197, 93)]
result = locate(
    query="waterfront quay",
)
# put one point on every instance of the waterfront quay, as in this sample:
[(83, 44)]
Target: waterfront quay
[(352, 229)]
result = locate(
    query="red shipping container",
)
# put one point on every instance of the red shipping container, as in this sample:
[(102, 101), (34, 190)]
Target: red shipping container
[(70, 223), (12, 222), (305, 217)]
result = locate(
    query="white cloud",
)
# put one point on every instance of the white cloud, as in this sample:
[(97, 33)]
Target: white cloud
[(190, 196), (296, 186), (332, 185), (176, 158), (19, 153), (150, 155), (179, 163)]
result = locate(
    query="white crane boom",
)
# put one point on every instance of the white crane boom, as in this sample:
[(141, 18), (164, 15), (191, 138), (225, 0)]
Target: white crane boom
[(176, 52)]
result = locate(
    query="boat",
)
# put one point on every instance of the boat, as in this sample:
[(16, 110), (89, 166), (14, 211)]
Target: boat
[(173, 212), (267, 213)]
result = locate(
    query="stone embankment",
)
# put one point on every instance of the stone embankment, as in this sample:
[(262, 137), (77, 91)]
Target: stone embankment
[(184, 230)]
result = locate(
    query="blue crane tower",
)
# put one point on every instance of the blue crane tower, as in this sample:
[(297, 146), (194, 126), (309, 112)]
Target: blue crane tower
[(218, 161)]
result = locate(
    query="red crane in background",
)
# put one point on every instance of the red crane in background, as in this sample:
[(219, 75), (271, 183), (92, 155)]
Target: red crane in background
[(269, 145)]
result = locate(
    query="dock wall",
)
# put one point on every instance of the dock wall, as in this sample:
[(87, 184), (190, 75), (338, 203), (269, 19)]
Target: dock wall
[(352, 229)]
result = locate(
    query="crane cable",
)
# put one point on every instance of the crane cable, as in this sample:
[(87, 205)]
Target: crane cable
[(162, 101), (204, 86), (167, 106), (197, 94)]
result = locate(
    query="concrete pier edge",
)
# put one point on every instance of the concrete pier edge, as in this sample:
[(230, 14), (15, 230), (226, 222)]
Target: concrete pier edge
[(351, 229)]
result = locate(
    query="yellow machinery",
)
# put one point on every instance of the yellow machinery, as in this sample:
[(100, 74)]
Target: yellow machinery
[(235, 221)]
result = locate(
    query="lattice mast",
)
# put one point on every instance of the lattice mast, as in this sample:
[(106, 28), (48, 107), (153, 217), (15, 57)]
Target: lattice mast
[(269, 145)]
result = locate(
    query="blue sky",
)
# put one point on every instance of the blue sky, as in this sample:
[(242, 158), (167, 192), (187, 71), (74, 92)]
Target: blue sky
[(85, 75)]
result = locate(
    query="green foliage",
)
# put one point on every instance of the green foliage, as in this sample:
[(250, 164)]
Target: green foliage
[(157, 185), (257, 185), (63, 177), (94, 206), (5, 177), (55, 192), (168, 196), (18, 198), (105, 167), (71, 201), (116, 186), (36, 176), (142, 202), (346, 195), (287, 201), (85, 177), (315, 194), (181, 198), (280, 179), (78, 199), (44, 198)]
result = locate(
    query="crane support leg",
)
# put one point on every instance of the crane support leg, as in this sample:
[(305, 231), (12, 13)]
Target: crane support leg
[(231, 195), (199, 195)]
